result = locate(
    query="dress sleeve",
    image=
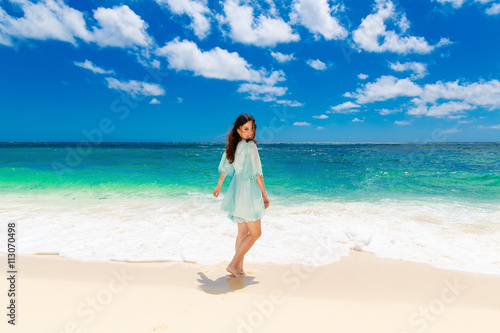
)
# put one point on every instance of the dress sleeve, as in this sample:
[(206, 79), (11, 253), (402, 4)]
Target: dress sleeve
[(252, 166), (225, 167)]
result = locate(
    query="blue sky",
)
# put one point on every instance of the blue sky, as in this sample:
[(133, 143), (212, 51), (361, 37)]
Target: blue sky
[(307, 70)]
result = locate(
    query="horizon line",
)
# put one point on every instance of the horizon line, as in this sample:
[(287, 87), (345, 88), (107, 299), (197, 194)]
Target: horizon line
[(263, 142)]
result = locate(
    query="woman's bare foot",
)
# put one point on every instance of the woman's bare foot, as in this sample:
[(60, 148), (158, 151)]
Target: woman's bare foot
[(240, 267), (234, 271)]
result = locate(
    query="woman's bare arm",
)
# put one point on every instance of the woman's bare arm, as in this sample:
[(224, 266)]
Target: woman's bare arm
[(221, 179), (260, 181), (219, 184)]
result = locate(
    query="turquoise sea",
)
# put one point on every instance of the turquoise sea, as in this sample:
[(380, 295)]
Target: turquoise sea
[(427, 202)]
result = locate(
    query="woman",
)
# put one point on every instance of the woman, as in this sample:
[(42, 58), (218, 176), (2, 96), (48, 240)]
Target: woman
[(246, 197)]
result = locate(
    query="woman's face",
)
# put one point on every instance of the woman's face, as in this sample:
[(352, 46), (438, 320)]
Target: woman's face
[(246, 130)]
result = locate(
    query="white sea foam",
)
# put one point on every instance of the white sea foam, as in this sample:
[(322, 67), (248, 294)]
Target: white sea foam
[(448, 235)]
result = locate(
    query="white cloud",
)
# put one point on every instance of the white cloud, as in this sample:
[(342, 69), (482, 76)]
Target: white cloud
[(280, 57), (456, 116), (479, 94), (197, 10), (221, 64), (135, 88), (288, 102), (4, 38), (440, 110), (489, 127), (419, 69), (323, 116), (316, 64), (402, 122), (362, 76), (262, 92), (494, 9), (384, 88), (451, 131), (320, 127), (155, 63), (454, 3), (216, 63), (53, 19), (316, 16), (345, 108), (484, 93), (372, 34), (440, 99), (301, 123), (120, 27), (87, 64), (356, 120), (263, 31), (46, 19), (154, 101), (385, 112), (267, 93)]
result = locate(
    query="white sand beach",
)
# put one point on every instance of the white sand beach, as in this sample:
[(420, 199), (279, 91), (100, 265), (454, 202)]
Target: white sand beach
[(359, 293)]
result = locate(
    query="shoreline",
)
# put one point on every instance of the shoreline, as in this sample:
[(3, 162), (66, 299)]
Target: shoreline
[(358, 293)]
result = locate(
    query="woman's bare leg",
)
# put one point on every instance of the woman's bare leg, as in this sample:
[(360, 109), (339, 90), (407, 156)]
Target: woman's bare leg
[(242, 233), (254, 233)]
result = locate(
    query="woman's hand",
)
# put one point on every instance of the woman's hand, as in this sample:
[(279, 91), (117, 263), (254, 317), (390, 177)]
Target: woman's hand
[(217, 191), (266, 201)]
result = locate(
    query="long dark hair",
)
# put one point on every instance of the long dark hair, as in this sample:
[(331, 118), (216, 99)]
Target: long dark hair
[(233, 137)]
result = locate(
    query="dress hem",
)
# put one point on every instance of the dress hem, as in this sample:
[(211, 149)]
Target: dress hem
[(237, 219)]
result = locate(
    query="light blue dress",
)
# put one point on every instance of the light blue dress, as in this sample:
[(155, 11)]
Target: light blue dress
[(243, 199)]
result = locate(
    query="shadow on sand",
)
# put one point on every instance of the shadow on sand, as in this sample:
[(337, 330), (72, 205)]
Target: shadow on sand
[(224, 284)]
